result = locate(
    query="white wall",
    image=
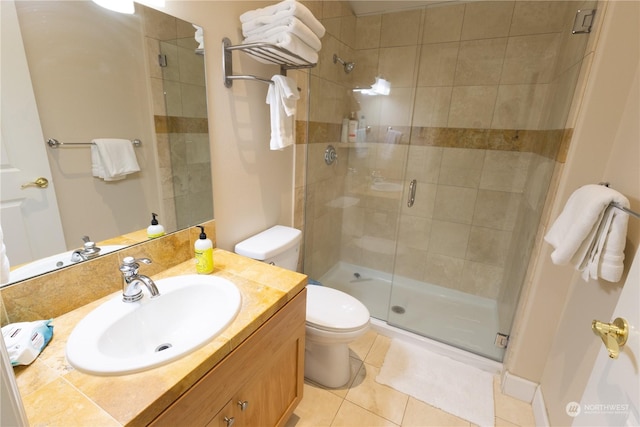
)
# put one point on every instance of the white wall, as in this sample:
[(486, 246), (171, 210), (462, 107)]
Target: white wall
[(252, 186)]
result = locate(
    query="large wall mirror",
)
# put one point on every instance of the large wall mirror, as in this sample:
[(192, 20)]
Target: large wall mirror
[(101, 74)]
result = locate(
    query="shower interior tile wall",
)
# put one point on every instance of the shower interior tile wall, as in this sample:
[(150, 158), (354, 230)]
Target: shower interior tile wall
[(180, 114), (479, 91)]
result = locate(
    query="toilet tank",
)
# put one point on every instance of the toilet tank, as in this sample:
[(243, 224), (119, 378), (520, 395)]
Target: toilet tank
[(278, 245)]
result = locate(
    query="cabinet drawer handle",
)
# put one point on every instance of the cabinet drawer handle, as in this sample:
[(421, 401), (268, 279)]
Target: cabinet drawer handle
[(243, 404), (229, 421)]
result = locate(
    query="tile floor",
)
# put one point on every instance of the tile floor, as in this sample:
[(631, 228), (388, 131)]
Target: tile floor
[(365, 403)]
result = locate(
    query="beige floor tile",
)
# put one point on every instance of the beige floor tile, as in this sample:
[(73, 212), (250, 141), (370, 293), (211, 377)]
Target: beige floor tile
[(377, 398), (504, 423), (378, 351), (341, 392), (360, 347), (510, 409), (318, 408), (351, 415), (420, 414)]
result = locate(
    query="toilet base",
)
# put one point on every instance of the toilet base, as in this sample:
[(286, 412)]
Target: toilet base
[(327, 365)]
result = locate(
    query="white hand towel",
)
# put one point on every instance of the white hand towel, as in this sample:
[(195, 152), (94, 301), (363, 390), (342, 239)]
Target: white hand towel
[(113, 159), (4, 261), (591, 235), (290, 25), (282, 96), (293, 44), (254, 19)]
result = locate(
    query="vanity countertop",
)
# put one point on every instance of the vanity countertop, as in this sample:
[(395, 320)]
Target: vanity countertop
[(54, 393)]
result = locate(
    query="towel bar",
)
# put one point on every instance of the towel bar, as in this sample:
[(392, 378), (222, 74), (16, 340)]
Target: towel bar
[(269, 52), (54, 143), (622, 208), (618, 206)]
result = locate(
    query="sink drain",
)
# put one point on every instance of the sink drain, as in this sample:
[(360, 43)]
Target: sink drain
[(162, 347), (397, 309)]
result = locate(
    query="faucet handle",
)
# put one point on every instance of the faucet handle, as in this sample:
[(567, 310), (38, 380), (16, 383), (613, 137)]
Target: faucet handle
[(130, 265), (129, 260)]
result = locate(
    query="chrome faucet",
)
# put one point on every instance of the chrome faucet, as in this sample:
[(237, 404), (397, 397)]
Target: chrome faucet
[(89, 251), (132, 291)]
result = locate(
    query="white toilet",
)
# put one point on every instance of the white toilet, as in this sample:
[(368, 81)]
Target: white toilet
[(334, 318)]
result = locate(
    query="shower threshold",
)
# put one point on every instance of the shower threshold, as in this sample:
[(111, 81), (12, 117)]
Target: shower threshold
[(458, 319)]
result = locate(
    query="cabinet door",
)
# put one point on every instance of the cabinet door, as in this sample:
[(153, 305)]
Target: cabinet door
[(273, 395)]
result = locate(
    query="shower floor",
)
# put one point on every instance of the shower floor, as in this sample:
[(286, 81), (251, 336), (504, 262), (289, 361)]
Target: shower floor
[(465, 321)]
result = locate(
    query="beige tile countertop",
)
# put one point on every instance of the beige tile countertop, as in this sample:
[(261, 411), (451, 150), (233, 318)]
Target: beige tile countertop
[(55, 394)]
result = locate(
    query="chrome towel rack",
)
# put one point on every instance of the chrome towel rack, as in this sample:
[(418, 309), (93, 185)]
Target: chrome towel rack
[(265, 51), (626, 210), (54, 143), (619, 206)]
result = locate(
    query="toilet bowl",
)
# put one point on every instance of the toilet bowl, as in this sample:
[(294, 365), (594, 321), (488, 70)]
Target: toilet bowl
[(334, 319)]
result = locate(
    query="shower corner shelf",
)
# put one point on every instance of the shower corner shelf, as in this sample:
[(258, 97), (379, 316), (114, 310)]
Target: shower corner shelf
[(265, 51)]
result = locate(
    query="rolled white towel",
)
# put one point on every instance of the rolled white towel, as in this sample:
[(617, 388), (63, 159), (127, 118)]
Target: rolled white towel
[(293, 44), (254, 19), (290, 25)]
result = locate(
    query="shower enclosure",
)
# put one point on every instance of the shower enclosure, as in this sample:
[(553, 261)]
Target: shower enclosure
[(429, 218)]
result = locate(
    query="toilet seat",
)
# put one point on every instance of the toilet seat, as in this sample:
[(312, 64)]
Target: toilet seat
[(332, 310)]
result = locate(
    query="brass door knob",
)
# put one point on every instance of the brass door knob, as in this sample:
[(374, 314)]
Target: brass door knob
[(40, 183), (614, 335)]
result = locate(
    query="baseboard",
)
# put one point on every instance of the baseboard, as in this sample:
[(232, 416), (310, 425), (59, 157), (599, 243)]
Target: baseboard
[(527, 391), (517, 387), (539, 409)]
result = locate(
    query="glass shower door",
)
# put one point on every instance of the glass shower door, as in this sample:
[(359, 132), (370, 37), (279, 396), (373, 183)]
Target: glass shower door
[(449, 264)]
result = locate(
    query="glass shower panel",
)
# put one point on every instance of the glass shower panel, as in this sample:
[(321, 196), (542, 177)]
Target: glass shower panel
[(441, 289)]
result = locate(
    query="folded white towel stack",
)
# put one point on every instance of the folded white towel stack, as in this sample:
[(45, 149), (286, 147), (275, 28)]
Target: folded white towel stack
[(113, 159), (282, 97), (590, 234), (289, 25)]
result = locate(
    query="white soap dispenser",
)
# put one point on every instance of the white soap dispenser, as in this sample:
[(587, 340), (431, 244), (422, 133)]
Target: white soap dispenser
[(204, 253), (155, 229)]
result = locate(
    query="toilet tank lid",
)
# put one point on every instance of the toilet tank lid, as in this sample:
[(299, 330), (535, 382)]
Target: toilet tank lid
[(269, 243)]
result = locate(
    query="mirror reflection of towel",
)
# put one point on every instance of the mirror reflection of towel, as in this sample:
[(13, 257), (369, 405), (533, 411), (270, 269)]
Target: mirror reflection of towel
[(113, 159), (393, 137)]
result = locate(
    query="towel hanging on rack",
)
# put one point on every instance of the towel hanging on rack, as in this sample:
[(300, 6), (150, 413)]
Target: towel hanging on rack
[(282, 96), (113, 159), (591, 234)]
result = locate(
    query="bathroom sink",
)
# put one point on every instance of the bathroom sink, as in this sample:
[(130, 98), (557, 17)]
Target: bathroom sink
[(386, 186), (120, 338), (51, 263)]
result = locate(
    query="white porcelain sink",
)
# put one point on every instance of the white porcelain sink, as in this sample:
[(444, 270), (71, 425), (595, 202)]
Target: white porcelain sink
[(386, 186), (51, 263), (121, 338)]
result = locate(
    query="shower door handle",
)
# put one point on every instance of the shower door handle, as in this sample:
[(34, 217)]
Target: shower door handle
[(412, 192)]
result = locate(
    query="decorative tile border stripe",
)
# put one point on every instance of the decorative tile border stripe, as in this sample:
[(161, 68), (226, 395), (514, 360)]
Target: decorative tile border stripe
[(553, 144), (174, 124)]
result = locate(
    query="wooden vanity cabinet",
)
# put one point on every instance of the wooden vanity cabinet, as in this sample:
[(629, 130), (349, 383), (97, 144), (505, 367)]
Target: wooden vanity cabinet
[(258, 384)]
